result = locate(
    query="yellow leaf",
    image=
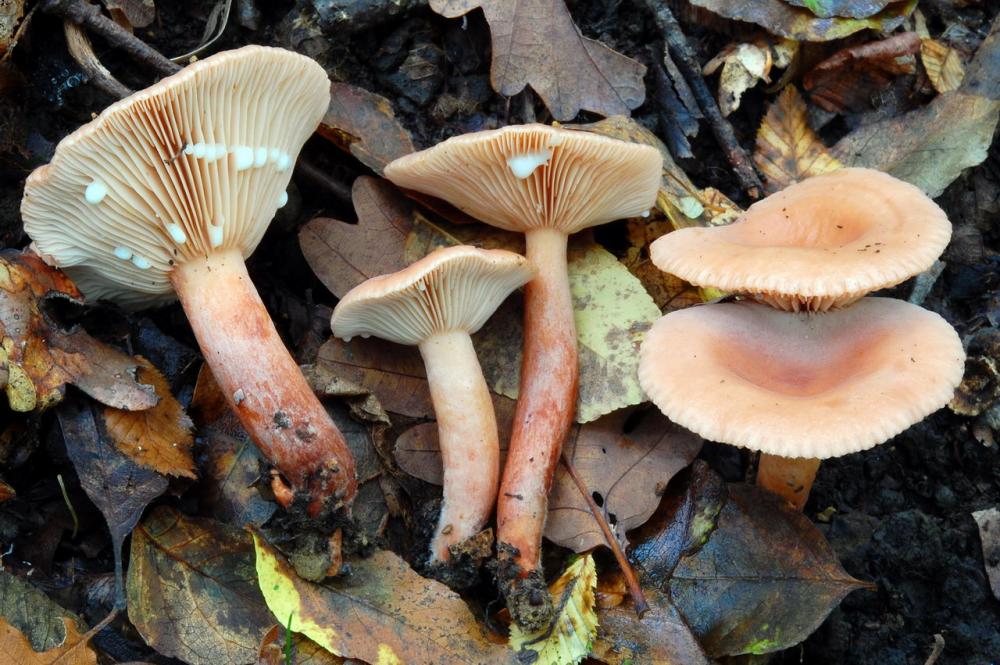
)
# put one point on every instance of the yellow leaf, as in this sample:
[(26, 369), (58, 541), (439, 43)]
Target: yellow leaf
[(787, 148), (568, 639), (943, 64), (158, 438)]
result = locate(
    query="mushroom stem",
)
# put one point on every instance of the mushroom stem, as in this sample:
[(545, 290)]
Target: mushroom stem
[(262, 383), (544, 414), (789, 477), (467, 432)]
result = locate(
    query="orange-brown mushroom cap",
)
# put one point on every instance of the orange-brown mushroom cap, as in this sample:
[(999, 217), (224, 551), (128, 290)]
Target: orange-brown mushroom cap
[(820, 243), (526, 177), (801, 385)]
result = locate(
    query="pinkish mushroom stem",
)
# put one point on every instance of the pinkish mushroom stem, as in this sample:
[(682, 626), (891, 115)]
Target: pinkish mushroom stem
[(262, 383), (467, 435), (542, 420), (789, 477)]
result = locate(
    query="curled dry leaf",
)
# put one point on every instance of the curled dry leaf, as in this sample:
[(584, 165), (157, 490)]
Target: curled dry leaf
[(989, 535), (788, 150), (536, 43), (943, 65), (382, 612), (364, 124), (40, 358), (15, 648), (850, 79), (626, 472), (662, 637), (780, 18), (159, 438), (567, 639), (192, 590), (746, 64)]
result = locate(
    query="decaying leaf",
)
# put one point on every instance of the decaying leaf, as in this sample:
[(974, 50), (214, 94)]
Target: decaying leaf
[(667, 291), (567, 640), (801, 24), (382, 612), (276, 644), (120, 488), (761, 580), (844, 8), (159, 438), (193, 592), (931, 146), (15, 648), (42, 621), (364, 124), (139, 13), (40, 358), (744, 65), (850, 79), (6, 492), (11, 12), (943, 65), (662, 637), (536, 43), (788, 150), (627, 474), (343, 255), (989, 535)]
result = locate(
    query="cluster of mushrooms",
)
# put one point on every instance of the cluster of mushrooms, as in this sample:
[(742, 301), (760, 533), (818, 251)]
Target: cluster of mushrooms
[(167, 192)]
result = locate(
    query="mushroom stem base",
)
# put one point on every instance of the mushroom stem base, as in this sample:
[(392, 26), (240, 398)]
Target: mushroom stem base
[(262, 383), (467, 435), (789, 477)]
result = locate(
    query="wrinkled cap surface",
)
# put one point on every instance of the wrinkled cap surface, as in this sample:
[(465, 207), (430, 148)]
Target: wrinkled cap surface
[(526, 177), (450, 289), (196, 163), (797, 384), (821, 243)]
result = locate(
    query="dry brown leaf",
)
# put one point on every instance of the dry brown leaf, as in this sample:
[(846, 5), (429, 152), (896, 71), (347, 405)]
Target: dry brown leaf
[(536, 43), (788, 150), (6, 492), (159, 438), (40, 358), (746, 64), (139, 13), (626, 473), (850, 79), (943, 65), (11, 12), (16, 650), (662, 637), (343, 255), (304, 651), (364, 124)]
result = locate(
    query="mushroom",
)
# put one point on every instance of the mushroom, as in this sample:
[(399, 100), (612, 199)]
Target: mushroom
[(164, 195), (818, 244), (799, 386), (436, 304), (546, 183)]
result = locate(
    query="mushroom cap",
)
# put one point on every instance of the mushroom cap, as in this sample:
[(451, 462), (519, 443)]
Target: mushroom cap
[(798, 384), (525, 177), (450, 289), (820, 243), (194, 164)]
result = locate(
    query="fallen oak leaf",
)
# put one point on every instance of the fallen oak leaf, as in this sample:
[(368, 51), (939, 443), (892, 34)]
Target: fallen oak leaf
[(159, 438), (787, 149), (536, 43), (15, 648), (382, 612), (364, 124), (627, 474), (567, 639), (192, 590), (41, 358)]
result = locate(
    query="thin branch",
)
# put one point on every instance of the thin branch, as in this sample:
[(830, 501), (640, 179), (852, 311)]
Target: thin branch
[(83, 52), (634, 588), (686, 61)]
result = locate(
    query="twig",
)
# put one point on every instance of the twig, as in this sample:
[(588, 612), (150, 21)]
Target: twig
[(685, 59), (80, 48), (89, 16), (311, 172), (634, 588), (937, 650), (69, 504)]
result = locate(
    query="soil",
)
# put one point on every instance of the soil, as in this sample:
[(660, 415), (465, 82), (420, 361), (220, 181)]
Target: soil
[(901, 517)]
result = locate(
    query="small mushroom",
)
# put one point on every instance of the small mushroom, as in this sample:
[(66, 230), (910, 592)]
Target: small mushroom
[(818, 244), (546, 183), (800, 387), (163, 196), (436, 304)]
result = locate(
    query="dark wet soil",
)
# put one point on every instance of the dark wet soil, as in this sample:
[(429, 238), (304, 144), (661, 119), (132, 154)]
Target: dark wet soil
[(901, 515)]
